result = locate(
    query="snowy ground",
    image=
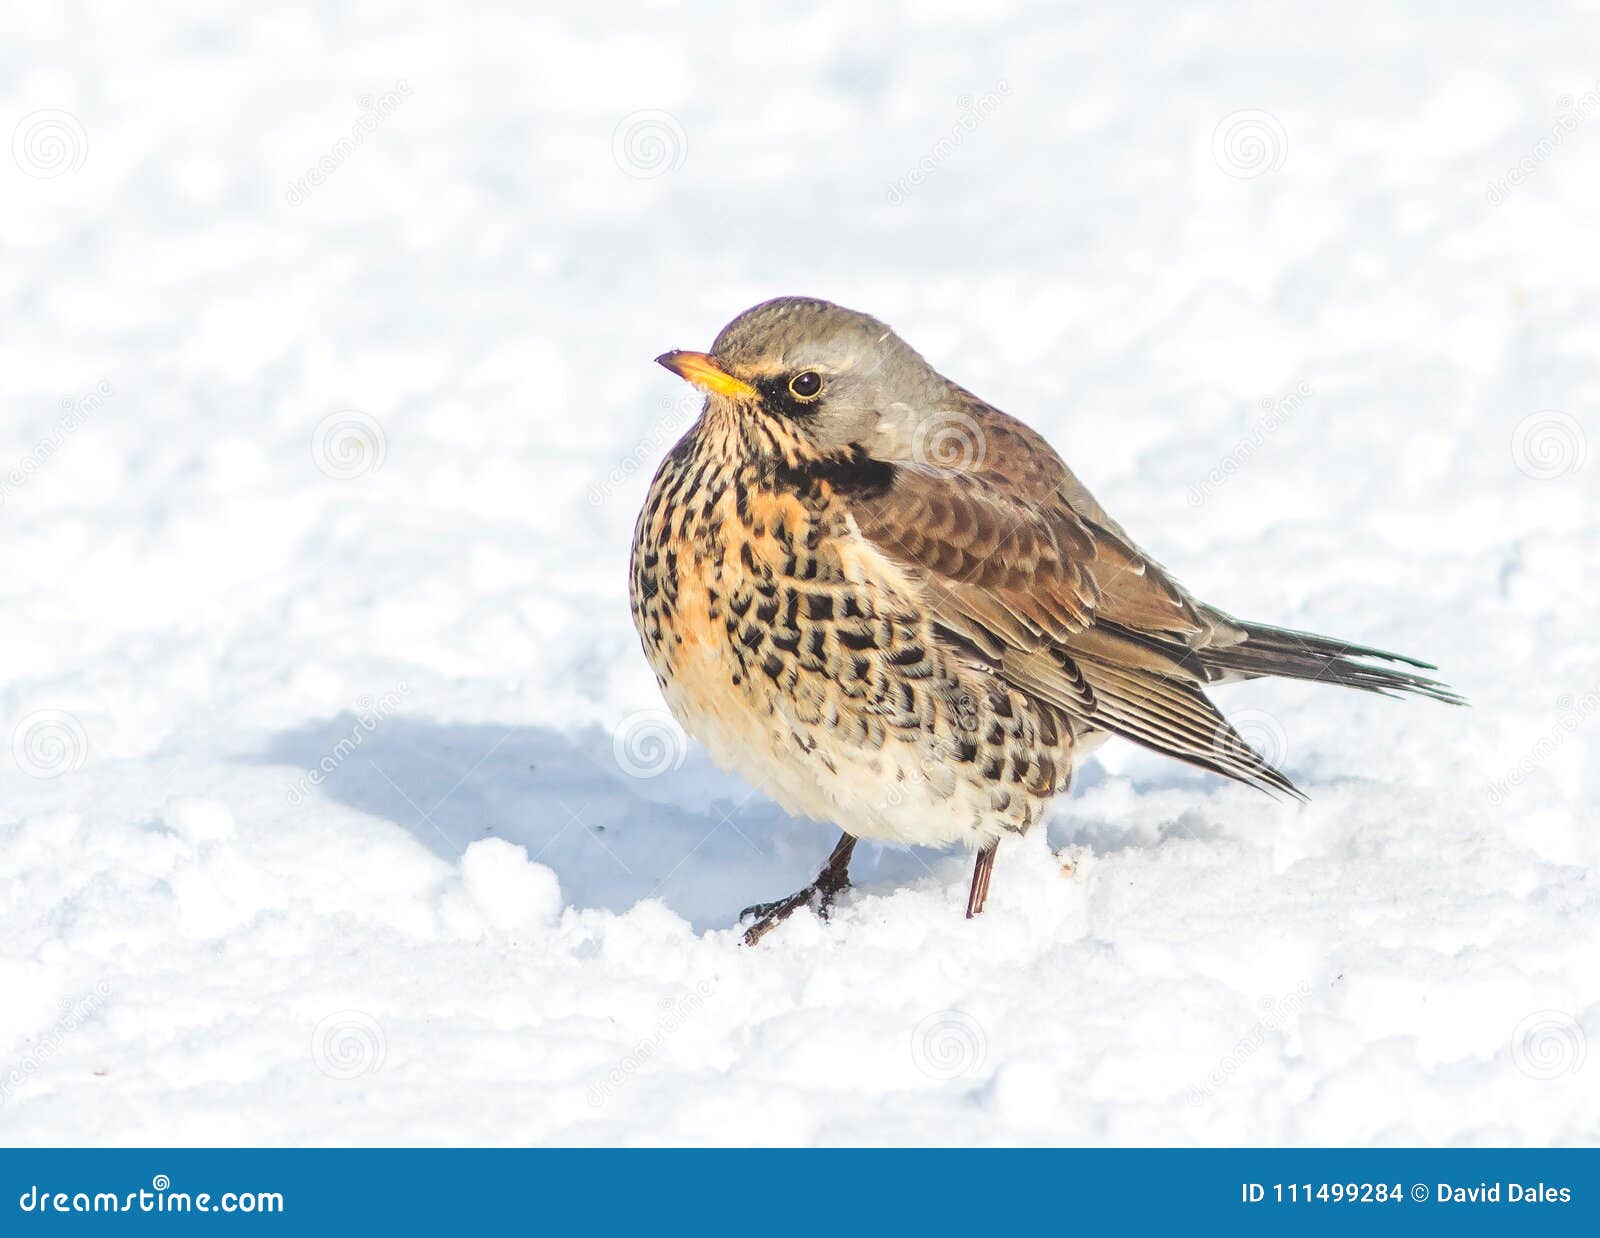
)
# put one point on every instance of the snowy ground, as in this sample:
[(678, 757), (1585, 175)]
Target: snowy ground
[(325, 350)]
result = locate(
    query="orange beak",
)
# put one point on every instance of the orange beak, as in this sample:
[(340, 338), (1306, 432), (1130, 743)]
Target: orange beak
[(706, 374)]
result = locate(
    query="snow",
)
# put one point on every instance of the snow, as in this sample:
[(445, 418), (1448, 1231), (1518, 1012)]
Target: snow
[(337, 804), (509, 890)]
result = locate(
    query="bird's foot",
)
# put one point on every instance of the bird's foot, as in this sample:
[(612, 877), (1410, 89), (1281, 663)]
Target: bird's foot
[(982, 870), (818, 896)]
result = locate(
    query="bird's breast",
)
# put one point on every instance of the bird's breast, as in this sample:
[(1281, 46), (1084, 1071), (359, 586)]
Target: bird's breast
[(802, 657)]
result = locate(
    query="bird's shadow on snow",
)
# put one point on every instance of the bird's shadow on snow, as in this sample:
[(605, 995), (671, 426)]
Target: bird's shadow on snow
[(691, 836)]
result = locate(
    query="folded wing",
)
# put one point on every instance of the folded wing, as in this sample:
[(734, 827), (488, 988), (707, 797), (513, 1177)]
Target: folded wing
[(1017, 560)]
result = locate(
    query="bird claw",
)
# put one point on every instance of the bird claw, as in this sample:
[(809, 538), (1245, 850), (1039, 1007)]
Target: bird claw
[(817, 896)]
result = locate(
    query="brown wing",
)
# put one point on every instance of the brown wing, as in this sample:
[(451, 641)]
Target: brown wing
[(1016, 559)]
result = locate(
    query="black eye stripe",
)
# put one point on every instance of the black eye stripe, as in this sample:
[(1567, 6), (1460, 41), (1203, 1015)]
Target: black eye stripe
[(778, 395)]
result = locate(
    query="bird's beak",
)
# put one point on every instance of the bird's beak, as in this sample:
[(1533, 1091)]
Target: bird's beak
[(705, 374)]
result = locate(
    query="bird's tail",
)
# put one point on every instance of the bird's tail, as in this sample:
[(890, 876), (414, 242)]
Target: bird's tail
[(1288, 654)]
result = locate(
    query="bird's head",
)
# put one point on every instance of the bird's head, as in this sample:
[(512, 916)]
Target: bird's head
[(808, 375)]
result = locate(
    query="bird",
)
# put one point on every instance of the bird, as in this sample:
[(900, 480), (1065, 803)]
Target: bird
[(893, 607)]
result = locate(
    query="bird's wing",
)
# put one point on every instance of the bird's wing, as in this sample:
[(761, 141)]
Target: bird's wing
[(1057, 599)]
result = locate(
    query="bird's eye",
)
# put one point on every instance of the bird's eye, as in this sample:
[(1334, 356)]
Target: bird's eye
[(806, 384)]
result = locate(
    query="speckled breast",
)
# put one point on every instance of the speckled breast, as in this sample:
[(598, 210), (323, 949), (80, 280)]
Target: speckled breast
[(797, 654)]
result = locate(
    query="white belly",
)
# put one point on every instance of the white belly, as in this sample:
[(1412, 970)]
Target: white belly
[(900, 792)]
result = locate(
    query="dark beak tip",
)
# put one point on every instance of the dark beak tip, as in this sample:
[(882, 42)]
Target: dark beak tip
[(668, 360)]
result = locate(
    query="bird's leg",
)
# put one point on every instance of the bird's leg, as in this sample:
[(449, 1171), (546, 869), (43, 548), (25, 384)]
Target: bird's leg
[(981, 872), (819, 895)]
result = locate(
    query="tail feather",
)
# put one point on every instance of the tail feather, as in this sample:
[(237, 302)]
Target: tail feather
[(1289, 654)]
